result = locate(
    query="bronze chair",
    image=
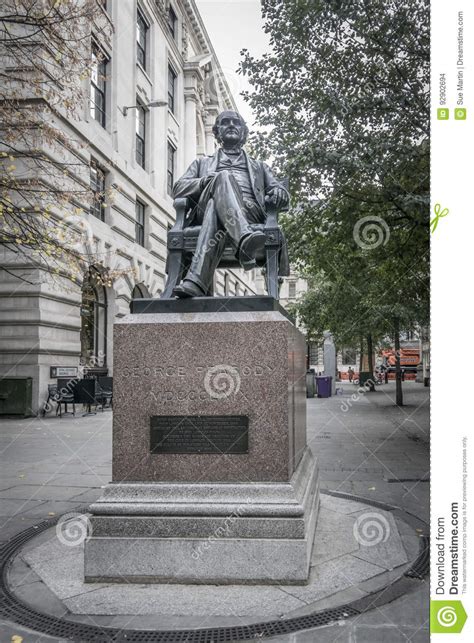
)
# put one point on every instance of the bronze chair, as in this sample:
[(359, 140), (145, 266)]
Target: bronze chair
[(182, 241)]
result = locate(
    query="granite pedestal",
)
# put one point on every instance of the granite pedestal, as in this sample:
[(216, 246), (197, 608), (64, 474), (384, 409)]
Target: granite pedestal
[(212, 478)]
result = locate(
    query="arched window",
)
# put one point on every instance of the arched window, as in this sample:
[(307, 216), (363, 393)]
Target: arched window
[(140, 291), (93, 321)]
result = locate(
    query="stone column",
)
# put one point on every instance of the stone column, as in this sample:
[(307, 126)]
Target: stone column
[(329, 356), (190, 128), (210, 142), (210, 138), (211, 114), (193, 79)]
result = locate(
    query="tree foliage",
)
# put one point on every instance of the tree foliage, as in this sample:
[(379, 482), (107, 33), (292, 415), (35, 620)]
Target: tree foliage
[(342, 101), (344, 91), (45, 51)]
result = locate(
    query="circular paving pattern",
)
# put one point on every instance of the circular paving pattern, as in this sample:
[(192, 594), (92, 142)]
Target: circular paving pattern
[(366, 554)]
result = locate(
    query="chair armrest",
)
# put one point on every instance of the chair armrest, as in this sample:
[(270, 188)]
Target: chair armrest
[(272, 210), (181, 207), (272, 215)]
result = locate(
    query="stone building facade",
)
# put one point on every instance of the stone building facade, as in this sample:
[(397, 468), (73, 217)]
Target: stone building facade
[(292, 288), (154, 96)]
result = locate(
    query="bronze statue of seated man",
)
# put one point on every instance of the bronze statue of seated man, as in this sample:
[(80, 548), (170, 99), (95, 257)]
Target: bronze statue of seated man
[(228, 192)]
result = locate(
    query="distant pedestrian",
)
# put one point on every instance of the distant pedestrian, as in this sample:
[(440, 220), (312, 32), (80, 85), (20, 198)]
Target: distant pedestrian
[(351, 374)]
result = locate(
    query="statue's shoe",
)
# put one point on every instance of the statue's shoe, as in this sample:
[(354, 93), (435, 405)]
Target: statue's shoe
[(249, 248), (187, 289)]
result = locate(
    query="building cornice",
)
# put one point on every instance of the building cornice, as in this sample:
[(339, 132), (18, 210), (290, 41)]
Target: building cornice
[(205, 42)]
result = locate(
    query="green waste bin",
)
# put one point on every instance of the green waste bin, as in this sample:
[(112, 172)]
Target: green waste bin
[(16, 395)]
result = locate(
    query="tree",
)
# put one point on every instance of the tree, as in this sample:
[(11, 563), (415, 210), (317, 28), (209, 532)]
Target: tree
[(45, 49), (343, 100), (363, 287)]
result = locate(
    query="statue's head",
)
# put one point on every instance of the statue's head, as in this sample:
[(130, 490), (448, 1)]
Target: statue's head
[(230, 128)]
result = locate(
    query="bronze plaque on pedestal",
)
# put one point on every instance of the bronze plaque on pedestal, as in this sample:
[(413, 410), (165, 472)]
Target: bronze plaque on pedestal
[(199, 433)]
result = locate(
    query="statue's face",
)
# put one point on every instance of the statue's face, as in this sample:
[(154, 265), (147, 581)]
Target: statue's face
[(230, 128)]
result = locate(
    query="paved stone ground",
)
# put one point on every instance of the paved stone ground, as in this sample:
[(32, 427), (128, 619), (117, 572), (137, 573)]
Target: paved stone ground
[(371, 448), (365, 446)]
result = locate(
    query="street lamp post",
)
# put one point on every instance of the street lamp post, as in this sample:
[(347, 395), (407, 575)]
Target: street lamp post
[(153, 103)]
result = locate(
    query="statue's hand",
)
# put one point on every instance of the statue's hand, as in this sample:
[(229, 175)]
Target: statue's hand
[(278, 196), (207, 179)]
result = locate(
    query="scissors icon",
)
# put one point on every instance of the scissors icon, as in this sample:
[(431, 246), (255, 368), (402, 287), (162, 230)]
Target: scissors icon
[(439, 214)]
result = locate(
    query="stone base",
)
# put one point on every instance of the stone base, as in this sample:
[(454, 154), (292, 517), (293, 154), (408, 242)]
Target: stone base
[(231, 494), (205, 533), (48, 575)]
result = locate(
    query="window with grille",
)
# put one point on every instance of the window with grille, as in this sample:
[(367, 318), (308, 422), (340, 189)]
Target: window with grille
[(291, 289), (98, 191), (313, 354), (172, 21), (142, 37), (98, 85), (140, 137), (140, 222), (348, 356), (172, 89), (170, 172), (93, 333)]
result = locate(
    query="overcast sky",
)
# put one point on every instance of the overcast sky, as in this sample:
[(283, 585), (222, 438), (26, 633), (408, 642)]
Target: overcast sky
[(233, 25)]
